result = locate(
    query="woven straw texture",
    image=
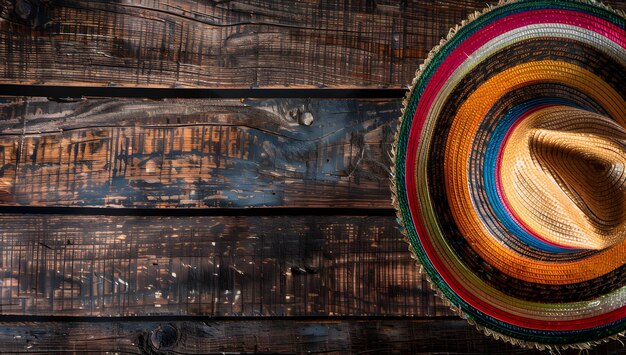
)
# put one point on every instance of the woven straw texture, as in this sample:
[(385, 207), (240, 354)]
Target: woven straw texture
[(509, 175)]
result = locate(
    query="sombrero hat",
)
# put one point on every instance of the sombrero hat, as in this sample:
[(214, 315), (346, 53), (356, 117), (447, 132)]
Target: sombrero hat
[(510, 171)]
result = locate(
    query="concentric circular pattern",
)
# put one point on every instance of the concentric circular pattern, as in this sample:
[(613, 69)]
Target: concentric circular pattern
[(510, 171)]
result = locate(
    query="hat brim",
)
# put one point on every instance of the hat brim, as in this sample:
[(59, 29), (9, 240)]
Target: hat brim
[(492, 72)]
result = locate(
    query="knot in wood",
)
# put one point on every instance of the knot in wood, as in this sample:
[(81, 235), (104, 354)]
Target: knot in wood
[(23, 9), (306, 118), (163, 337)]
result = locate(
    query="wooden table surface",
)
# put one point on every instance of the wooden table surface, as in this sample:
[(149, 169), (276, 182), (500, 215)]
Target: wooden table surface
[(208, 176)]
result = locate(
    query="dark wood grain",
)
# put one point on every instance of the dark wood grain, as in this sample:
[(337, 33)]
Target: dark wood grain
[(216, 266), (197, 153), (249, 43), (285, 336)]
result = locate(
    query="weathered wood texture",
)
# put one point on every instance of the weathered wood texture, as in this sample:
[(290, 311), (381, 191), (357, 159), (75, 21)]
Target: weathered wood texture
[(282, 336), (249, 43), (197, 153), (216, 266)]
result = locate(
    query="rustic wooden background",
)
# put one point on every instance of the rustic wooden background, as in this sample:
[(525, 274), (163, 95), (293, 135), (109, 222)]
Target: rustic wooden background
[(207, 224)]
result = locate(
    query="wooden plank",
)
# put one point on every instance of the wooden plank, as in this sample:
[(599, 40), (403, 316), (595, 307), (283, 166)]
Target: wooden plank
[(197, 153), (249, 43), (285, 336), (216, 266), (282, 336)]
